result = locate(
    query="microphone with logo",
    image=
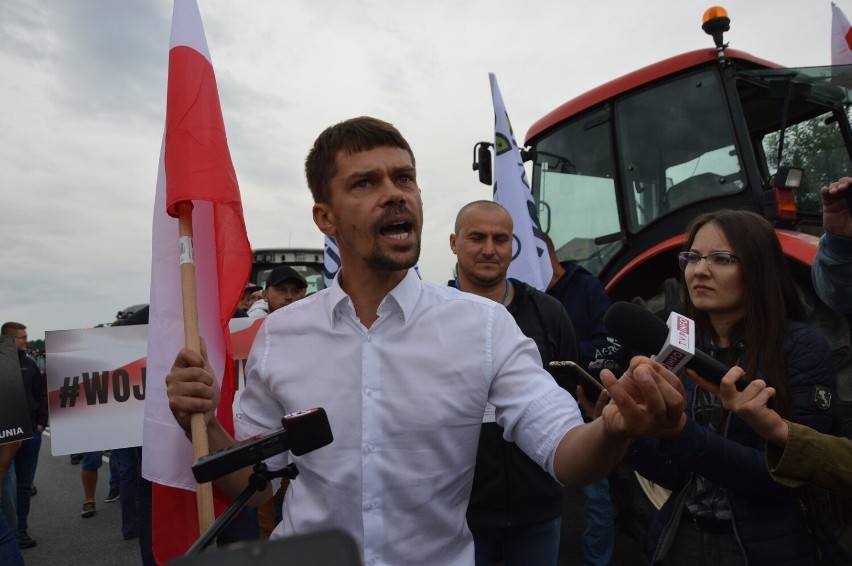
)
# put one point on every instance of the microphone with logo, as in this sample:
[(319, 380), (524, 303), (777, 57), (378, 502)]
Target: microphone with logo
[(672, 344), (300, 433)]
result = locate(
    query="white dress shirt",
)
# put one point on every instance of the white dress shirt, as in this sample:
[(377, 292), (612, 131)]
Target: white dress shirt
[(405, 399)]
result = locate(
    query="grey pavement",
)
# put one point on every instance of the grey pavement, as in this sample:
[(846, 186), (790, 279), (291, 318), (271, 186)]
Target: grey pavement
[(64, 538)]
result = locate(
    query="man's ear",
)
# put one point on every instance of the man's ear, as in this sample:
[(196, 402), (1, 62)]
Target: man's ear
[(453, 243), (324, 219)]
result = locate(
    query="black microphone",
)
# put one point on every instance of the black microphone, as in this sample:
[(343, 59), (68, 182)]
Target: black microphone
[(640, 330), (301, 433)]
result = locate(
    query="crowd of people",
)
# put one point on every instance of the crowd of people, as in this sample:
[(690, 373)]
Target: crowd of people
[(454, 435)]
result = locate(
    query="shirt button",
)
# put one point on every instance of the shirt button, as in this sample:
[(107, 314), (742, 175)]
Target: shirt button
[(374, 559), (372, 504), (368, 392), (369, 337), (370, 447)]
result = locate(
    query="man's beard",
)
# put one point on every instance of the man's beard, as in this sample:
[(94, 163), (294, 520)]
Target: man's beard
[(384, 262)]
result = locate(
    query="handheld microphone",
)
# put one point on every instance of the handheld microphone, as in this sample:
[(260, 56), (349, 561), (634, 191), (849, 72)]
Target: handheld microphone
[(640, 330), (301, 433)]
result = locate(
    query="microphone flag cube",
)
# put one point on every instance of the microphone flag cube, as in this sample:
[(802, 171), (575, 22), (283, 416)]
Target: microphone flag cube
[(679, 346)]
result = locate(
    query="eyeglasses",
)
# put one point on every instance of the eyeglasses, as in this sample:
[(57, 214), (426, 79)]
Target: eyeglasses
[(722, 259)]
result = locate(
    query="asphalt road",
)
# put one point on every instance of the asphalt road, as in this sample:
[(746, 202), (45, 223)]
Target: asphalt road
[(66, 539)]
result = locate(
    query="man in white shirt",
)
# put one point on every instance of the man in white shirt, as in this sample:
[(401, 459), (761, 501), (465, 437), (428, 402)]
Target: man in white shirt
[(404, 369)]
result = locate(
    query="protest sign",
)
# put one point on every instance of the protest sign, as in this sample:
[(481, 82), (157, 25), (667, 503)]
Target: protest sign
[(96, 384)]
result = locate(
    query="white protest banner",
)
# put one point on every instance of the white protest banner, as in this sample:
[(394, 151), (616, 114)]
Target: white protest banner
[(96, 383)]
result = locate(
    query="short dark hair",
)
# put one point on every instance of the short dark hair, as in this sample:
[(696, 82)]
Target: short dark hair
[(9, 327), (352, 136)]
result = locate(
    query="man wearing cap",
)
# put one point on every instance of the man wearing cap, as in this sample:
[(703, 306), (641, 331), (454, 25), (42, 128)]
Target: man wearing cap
[(249, 296), (284, 285)]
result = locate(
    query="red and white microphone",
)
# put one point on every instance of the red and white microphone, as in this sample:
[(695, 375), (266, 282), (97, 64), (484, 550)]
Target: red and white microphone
[(679, 346)]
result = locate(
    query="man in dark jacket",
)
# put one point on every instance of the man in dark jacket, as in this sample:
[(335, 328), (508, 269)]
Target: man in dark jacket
[(585, 298), (513, 502), (26, 459)]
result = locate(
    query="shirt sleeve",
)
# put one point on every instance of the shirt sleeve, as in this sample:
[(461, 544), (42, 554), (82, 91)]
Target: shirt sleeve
[(260, 413), (810, 457), (533, 410), (832, 271)]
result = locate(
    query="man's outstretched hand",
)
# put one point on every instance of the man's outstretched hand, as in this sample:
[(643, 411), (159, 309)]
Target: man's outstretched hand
[(648, 400)]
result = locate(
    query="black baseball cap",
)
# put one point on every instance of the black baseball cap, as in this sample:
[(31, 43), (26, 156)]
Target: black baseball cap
[(285, 273), (251, 287)]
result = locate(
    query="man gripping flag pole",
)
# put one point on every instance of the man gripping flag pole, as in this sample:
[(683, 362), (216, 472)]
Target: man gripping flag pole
[(200, 252), (530, 262)]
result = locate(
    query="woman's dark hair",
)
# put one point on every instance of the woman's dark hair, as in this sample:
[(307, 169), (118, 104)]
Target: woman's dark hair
[(769, 295)]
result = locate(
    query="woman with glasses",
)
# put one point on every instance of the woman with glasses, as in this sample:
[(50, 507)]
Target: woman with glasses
[(725, 508)]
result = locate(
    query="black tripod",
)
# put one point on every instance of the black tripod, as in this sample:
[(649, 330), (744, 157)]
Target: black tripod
[(257, 482)]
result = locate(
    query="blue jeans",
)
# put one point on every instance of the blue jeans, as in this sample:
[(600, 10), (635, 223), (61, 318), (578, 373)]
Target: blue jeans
[(9, 498), (522, 545), (114, 479), (10, 552), (92, 461), (128, 463), (599, 536), (26, 461)]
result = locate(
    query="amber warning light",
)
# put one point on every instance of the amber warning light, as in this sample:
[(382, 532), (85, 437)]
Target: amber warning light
[(715, 23)]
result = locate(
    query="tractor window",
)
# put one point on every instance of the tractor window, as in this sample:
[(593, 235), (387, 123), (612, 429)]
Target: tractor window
[(817, 146), (574, 183), (677, 147), (808, 100)]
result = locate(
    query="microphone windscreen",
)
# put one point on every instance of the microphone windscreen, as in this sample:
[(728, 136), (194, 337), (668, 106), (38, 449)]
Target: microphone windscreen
[(636, 327), (307, 431)]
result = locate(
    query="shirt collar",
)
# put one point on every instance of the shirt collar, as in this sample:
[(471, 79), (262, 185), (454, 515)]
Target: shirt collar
[(405, 295)]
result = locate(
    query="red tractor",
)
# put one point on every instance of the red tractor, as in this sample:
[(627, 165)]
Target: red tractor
[(619, 172)]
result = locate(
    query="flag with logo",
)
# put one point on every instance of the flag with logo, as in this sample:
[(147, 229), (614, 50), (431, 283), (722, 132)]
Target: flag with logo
[(331, 260), (195, 166), (841, 37), (530, 261)]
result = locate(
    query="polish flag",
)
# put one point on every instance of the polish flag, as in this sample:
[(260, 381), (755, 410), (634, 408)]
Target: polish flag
[(841, 37), (195, 166), (530, 260)]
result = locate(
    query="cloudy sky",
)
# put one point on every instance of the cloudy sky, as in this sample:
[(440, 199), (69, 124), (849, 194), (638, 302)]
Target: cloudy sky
[(83, 89)]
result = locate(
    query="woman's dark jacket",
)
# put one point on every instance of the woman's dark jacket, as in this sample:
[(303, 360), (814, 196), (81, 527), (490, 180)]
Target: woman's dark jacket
[(768, 524)]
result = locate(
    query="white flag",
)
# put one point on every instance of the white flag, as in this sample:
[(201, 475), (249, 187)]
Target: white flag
[(841, 37), (530, 261)]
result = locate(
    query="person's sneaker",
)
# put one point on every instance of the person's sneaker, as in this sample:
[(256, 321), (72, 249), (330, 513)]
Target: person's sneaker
[(24, 540), (112, 495), (33, 490), (88, 509)]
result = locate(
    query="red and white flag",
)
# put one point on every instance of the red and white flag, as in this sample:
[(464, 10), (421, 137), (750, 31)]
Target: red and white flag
[(841, 37), (530, 261), (195, 166)]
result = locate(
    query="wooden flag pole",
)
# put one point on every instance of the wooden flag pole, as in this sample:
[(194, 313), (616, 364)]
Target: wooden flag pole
[(192, 338)]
